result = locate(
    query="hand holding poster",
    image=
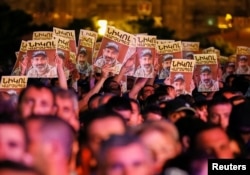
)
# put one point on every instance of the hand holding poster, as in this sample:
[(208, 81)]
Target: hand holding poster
[(19, 67), (206, 72), (181, 74), (243, 60)]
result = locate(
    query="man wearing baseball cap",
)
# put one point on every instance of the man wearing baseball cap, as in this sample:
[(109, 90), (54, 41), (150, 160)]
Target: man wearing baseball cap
[(82, 64), (207, 84), (243, 67), (145, 69), (179, 84), (166, 62), (40, 66), (109, 57)]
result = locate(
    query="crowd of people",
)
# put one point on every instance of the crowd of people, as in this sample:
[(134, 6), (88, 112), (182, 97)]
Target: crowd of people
[(52, 127)]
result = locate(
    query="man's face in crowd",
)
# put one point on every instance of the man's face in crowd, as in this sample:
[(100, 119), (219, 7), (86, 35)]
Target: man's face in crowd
[(66, 110), (243, 63), (39, 63), (12, 142), (166, 64), (206, 77), (146, 61), (219, 114), (110, 55), (37, 101), (81, 58), (97, 133), (215, 142), (179, 86), (126, 160), (162, 145), (230, 69)]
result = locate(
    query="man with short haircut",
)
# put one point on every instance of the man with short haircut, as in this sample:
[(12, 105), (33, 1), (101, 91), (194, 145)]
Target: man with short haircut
[(67, 106), (40, 66), (219, 111), (166, 63), (51, 140), (36, 99), (243, 67), (207, 83), (110, 57), (124, 154), (213, 141), (146, 68)]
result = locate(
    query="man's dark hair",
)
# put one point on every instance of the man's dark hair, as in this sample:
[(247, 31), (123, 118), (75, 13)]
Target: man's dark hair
[(108, 88), (117, 141), (89, 116), (117, 103), (53, 128), (36, 86)]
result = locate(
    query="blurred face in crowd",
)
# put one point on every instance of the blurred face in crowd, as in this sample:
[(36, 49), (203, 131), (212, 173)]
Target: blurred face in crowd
[(230, 69), (12, 142), (67, 111), (146, 62), (97, 132), (127, 160), (147, 91), (179, 86), (166, 64), (110, 55), (162, 145), (81, 58), (243, 63), (37, 148), (39, 63), (219, 114), (215, 142), (37, 101), (206, 77)]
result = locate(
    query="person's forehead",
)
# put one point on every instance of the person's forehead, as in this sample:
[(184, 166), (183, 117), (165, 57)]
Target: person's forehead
[(115, 125), (39, 92), (40, 57), (128, 153), (111, 49), (12, 131), (212, 136)]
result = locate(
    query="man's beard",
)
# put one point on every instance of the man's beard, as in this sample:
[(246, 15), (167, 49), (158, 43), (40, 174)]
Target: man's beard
[(41, 67), (109, 60)]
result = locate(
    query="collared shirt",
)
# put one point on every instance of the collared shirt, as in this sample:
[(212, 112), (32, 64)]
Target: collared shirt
[(84, 69), (164, 73), (240, 70), (214, 87), (140, 72), (116, 65), (50, 72)]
